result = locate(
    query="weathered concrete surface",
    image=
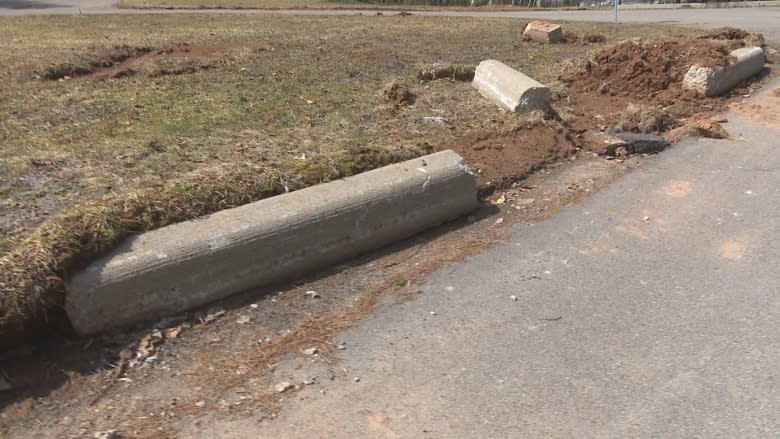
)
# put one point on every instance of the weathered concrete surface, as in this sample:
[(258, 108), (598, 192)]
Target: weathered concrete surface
[(543, 32), (716, 81), (509, 88), (186, 265)]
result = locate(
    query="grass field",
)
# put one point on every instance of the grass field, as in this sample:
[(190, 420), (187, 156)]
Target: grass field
[(111, 125)]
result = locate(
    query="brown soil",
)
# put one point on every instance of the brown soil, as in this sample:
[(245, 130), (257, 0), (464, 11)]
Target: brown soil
[(500, 159), (124, 61), (398, 94), (648, 68)]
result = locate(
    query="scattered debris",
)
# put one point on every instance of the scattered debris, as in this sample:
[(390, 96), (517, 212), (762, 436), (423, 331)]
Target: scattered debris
[(108, 434), (642, 143), (172, 333), (213, 314), (707, 128), (283, 387)]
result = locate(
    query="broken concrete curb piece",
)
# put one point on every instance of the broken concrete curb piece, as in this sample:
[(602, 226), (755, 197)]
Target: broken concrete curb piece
[(543, 32), (186, 265), (509, 88), (642, 143), (713, 82), (633, 143)]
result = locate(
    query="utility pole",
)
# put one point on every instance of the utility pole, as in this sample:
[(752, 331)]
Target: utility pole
[(616, 10)]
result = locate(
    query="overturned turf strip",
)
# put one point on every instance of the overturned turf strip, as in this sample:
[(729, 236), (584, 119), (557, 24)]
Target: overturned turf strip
[(32, 291)]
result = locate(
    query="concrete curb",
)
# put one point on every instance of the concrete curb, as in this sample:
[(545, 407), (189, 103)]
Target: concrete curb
[(509, 88), (186, 265), (716, 81)]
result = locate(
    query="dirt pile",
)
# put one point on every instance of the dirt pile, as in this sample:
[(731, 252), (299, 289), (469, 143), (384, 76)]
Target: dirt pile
[(499, 159), (637, 68)]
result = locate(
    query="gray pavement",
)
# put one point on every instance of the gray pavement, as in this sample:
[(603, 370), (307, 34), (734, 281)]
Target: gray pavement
[(650, 311)]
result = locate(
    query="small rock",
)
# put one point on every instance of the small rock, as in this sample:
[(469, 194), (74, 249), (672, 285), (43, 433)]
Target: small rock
[(213, 314), (312, 294), (200, 404), (108, 434), (357, 379), (433, 313), (514, 298), (340, 347), (243, 320), (311, 351), (254, 306), (283, 387), (500, 221)]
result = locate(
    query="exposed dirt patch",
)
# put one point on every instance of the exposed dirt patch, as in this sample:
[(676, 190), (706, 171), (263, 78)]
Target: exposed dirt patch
[(500, 159), (124, 61)]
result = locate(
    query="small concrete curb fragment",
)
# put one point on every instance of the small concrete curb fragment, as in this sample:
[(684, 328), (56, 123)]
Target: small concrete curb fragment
[(713, 82), (187, 265), (510, 89), (543, 32)]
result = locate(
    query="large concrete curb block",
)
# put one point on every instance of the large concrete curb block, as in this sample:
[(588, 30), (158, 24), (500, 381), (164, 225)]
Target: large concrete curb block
[(716, 81), (509, 88), (186, 265), (543, 32)]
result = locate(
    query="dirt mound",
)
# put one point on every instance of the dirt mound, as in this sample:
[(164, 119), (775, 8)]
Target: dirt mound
[(640, 68), (398, 94), (499, 159)]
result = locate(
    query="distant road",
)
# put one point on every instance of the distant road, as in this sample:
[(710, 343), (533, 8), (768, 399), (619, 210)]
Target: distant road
[(764, 19)]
